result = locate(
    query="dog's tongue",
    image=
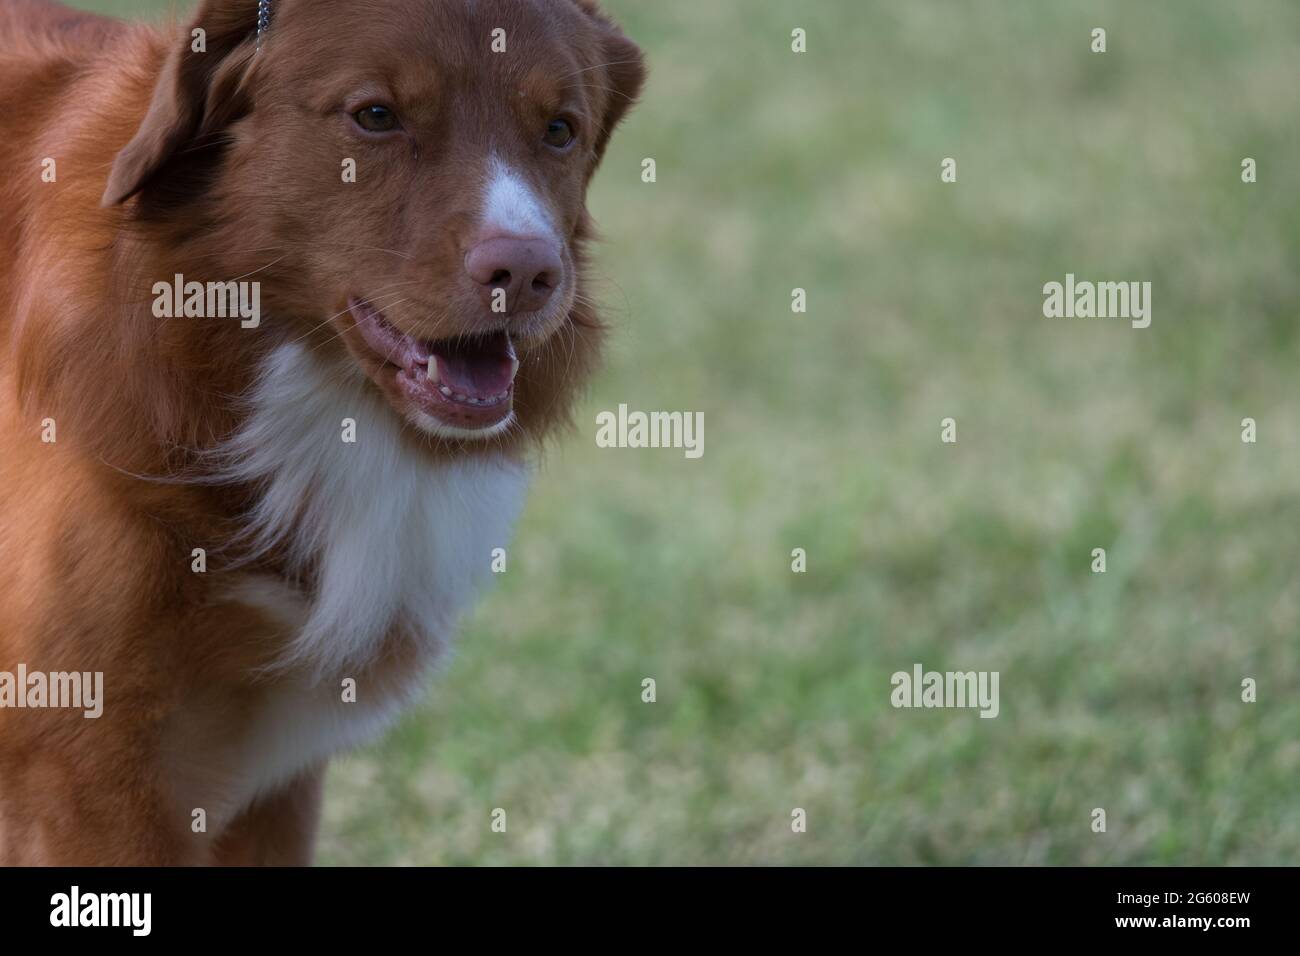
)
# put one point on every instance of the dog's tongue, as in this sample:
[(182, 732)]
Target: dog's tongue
[(481, 367)]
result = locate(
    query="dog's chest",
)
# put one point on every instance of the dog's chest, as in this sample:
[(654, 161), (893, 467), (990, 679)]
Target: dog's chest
[(399, 545)]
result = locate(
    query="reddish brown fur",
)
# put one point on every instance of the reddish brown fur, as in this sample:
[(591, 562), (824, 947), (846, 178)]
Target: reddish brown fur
[(235, 171)]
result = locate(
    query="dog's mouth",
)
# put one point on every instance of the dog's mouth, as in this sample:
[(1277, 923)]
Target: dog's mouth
[(466, 382)]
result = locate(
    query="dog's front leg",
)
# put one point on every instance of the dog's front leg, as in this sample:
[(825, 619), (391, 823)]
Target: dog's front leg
[(278, 829), (99, 812)]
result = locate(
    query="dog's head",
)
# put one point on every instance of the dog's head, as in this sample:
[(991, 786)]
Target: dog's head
[(410, 176)]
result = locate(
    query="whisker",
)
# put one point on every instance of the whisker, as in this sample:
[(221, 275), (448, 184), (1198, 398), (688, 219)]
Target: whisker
[(369, 301), (391, 305), (598, 66), (607, 89), (256, 271)]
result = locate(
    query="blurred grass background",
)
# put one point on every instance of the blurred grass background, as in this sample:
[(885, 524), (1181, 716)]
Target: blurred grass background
[(1118, 690)]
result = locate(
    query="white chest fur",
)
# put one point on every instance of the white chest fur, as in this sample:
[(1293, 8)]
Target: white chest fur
[(396, 539)]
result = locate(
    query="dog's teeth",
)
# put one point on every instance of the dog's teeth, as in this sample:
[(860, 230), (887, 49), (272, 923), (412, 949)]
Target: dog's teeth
[(471, 399), (433, 370), (514, 359)]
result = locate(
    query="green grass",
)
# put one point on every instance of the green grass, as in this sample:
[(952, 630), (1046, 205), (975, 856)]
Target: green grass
[(1118, 690)]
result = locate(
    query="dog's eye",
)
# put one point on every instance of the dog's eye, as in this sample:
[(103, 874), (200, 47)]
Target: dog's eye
[(376, 119), (558, 133)]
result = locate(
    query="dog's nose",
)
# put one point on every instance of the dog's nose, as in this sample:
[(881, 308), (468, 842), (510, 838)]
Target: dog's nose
[(527, 268)]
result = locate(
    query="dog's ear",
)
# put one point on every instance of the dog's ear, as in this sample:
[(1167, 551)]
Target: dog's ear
[(200, 91), (625, 73)]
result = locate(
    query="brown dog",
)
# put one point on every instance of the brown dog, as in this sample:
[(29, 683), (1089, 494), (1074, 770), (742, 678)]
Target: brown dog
[(284, 308)]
